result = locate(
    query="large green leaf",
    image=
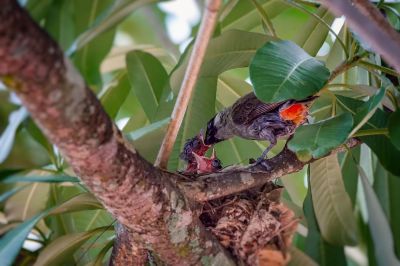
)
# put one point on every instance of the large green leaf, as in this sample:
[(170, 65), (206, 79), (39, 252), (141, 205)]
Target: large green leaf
[(244, 15), (313, 34), (378, 225), (367, 110), (318, 139), (394, 128), (381, 145), (148, 79), (281, 70), (11, 243), (39, 178), (7, 137), (90, 56), (315, 246), (115, 94), (64, 247), (107, 20), (332, 205)]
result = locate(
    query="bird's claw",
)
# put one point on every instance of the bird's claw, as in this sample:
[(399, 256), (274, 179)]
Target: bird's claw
[(263, 163)]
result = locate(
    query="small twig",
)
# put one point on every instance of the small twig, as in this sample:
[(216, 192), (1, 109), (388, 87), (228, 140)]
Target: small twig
[(199, 49), (365, 19)]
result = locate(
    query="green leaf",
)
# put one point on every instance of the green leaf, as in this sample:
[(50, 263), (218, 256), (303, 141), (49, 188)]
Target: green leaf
[(332, 205), (10, 192), (313, 34), (367, 110), (316, 247), (298, 258), (244, 16), (40, 178), (7, 137), (378, 225), (64, 247), (11, 243), (107, 20), (115, 94), (148, 138), (102, 254), (281, 70), (381, 145), (394, 128), (148, 79), (320, 138), (81, 202)]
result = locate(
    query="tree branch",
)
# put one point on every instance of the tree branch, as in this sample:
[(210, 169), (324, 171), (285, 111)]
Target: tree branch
[(139, 196), (126, 250), (371, 25), (236, 179), (189, 81)]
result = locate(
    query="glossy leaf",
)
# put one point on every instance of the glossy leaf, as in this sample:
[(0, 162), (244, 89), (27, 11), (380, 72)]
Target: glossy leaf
[(64, 247), (102, 254), (332, 205), (379, 227), (282, 70), (381, 145), (394, 128), (81, 202), (8, 135), (367, 110), (318, 139), (148, 79), (10, 192)]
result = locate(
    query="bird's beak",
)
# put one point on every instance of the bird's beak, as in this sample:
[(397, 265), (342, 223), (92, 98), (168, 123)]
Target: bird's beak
[(201, 162)]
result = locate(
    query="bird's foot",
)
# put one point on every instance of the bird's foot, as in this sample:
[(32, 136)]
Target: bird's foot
[(263, 162)]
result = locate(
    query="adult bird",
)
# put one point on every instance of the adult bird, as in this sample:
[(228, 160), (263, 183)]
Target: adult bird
[(251, 118)]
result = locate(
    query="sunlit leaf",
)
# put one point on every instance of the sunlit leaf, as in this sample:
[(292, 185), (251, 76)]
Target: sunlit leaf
[(115, 94), (332, 205), (282, 70), (8, 135), (148, 79), (318, 139)]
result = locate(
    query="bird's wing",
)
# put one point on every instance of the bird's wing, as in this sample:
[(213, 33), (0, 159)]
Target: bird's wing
[(249, 107)]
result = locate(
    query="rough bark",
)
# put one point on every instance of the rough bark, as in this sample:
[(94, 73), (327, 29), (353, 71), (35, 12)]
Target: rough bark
[(126, 250), (137, 194), (366, 20)]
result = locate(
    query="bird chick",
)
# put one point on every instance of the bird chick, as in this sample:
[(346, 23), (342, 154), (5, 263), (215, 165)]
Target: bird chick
[(207, 165)]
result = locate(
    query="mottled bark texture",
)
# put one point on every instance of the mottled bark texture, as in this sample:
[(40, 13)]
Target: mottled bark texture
[(137, 194), (126, 250), (235, 179)]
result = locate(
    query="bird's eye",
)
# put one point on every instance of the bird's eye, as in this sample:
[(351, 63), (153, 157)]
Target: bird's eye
[(216, 163)]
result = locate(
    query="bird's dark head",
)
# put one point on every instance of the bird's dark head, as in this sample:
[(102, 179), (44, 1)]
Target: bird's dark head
[(213, 127)]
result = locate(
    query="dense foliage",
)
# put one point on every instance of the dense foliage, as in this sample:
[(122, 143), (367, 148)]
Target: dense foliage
[(286, 49)]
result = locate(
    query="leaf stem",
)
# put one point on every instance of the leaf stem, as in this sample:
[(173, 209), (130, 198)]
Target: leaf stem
[(369, 66), (206, 30), (346, 66), (265, 18), (371, 132)]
